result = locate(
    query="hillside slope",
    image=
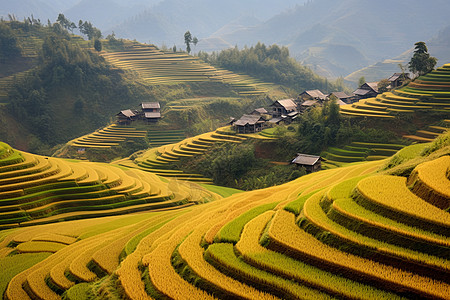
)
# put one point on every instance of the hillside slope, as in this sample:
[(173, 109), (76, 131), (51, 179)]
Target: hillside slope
[(316, 237)]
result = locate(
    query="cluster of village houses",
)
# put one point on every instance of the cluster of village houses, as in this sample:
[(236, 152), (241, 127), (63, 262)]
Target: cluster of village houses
[(285, 111), (281, 111)]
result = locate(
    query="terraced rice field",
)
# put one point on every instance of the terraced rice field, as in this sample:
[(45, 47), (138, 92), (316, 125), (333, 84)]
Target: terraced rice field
[(428, 92), (110, 136), (159, 160), (427, 135), (340, 233), (37, 190), (356, 152), (158, 67)]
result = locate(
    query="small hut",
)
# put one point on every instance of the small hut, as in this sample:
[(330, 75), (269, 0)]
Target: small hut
[(249, 124), (311, 163), (283, 107), (151, 111), (125, 117)]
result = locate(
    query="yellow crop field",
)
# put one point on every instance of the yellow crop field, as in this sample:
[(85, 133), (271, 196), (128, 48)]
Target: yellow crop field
[(206, 247), (430, 181), (286, 235), (391, 192)]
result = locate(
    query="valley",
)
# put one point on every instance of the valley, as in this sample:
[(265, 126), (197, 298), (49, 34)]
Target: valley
[(135, 171)]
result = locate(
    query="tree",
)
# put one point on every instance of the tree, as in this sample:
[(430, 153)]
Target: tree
[(66, 23), (174, 48), (383, 85), (361, 81), (188, 41), (421, 62), (9, 47), (89, 30), (98, 45)]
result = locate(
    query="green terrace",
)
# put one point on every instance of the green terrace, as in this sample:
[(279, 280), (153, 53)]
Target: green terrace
[(110, 136), (344, 233), (357, 152), (158, 67), (430, 92), (37, 190)]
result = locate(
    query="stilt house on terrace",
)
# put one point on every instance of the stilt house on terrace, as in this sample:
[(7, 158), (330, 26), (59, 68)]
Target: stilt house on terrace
[(151, 111), (367, 90), (283, 107), (398, 79), (311, 163), (347, 99), (125, 117), (249, 124)]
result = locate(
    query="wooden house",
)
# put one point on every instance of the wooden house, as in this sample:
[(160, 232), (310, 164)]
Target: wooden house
[(249, 124), (125, 117), (305, 105), (398, 79), (367, 90), (311, 163), (259, 111), (283, 107), (312, 95), (348, 99), (151, 111)]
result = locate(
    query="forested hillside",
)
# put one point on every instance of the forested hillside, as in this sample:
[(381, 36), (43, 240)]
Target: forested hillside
[(60, 88), (272, 64)]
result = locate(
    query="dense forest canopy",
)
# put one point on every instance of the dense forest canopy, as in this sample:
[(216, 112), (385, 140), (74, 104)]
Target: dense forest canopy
[(271, 64)]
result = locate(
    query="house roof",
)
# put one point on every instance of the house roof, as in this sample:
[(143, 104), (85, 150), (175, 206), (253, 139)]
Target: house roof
[(340, 95), (372, 85), (315, 94), (148, 105), (361, 92), (260, 110), (396, 76), (306, 159), (275, 120), (152, 115), (340, 102), (128, 113), (309, 103), (292, 114), (249, 119), (288, 104)]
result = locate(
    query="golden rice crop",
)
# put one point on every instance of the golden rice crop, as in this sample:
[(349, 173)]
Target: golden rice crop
[(129, 274), (429, 180), (39, 246), (314, 213), (274, 262), (391, 192), (161, 272), (288, 236), (192, 253), (223, 254), (350, 209)]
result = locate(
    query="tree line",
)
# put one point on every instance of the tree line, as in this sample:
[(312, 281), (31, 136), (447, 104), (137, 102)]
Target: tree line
[(271, 64)]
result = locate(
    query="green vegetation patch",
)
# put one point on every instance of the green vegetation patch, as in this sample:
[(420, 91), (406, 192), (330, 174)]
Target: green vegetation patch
[(10, 266), (231, 232), (221, 190)]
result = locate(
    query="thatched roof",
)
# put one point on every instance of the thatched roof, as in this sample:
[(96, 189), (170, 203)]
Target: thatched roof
[(150, 105), (249, 119), (306, 159), (316, 94)]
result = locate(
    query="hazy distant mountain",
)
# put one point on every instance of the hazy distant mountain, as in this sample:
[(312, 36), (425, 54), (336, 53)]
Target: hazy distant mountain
[(26, 8), (372, 30), (438, 46), (107, 13), (40, 9), (167, 21)]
